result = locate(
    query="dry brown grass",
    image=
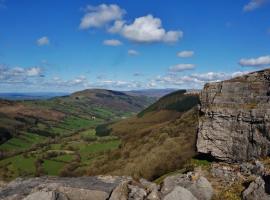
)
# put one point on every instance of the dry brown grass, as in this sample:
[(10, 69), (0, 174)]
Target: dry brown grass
[(155, 144)]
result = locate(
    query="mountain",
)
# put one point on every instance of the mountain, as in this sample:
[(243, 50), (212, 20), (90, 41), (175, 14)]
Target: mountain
[(151, 92), (57, 136), (159, 139), (31, 96), (47, 117), (210, 146)]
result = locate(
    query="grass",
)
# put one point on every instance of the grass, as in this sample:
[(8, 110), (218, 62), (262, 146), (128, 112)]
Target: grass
[(52, 167), (22, 142), (19, 166), (64, 158), (151, 146)]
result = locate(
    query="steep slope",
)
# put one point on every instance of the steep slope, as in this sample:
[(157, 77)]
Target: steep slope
[(235, 118), (160, 139)]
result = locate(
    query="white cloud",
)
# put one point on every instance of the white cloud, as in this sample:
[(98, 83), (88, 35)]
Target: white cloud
[(181, 67), (43, 41), (146, 29), (149, 29), (133, 52), (18, 74), (255, 62), (195, 80), (185, 54), (98, 16), (253, 5), (117, 26), (33, 71), (112, 42)]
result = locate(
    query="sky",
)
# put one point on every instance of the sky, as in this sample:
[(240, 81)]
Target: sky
[(66, 46)]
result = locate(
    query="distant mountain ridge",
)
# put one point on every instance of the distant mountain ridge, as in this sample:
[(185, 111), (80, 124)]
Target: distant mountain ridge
[(31, 95), (45, 116), (155, 93)]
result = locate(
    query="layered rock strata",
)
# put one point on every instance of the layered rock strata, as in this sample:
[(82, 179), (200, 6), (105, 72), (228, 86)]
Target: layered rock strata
[(234, 123)]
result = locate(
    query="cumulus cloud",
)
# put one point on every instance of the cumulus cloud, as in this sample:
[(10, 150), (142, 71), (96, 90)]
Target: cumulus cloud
[(181, 67), (80, 81), (98, 16), (196, 80), (112, 42), (133, 52), (118, 84), (43, 41), (253, 5), (146, 29), (255, 62), (18, 74), (185, 54)]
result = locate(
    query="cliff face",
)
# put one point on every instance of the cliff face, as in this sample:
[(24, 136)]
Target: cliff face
[(234, 122)]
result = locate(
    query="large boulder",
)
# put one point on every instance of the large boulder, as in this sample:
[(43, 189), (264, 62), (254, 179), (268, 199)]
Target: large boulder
[(199, 186), (234, 123), (180, 193)]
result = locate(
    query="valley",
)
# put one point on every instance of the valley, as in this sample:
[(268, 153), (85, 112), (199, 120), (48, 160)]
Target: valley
[(57, 136)]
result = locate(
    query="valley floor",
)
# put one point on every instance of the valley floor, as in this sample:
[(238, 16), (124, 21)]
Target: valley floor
[(35, 155)]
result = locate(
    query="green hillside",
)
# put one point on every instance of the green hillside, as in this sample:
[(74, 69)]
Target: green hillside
[(57, 136), (159, 140)]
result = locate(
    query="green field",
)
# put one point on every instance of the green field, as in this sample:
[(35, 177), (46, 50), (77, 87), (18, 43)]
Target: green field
[(54, 156), (21, 142)]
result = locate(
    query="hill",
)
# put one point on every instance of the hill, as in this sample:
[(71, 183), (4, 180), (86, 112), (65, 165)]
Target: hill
[(158, 140), (31, 95), (45, 136), (48, 117)]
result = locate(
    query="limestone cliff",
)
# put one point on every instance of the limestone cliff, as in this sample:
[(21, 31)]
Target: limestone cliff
[(234, 123)]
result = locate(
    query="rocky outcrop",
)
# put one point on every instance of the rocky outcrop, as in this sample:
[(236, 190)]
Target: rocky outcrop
[(197, 185), (60, 188), (178, 187), (234, 123)]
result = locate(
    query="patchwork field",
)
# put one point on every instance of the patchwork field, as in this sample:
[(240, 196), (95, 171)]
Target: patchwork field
[(57, 136), (67, 156)]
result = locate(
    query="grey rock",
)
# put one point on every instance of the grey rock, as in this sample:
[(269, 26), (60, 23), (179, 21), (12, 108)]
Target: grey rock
[(234, 123), (120, 192), (256, 191), (150, 186), (83, 194), (46, 195), (136, 193), (246, 168), (154, 195), (258, 168), (79, 188), (198, 186), (179, 193)]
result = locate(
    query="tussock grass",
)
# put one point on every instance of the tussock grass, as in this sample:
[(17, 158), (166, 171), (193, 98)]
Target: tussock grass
[(153, 145)]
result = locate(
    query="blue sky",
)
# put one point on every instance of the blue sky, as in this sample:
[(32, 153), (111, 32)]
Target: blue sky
[(48, 45)]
